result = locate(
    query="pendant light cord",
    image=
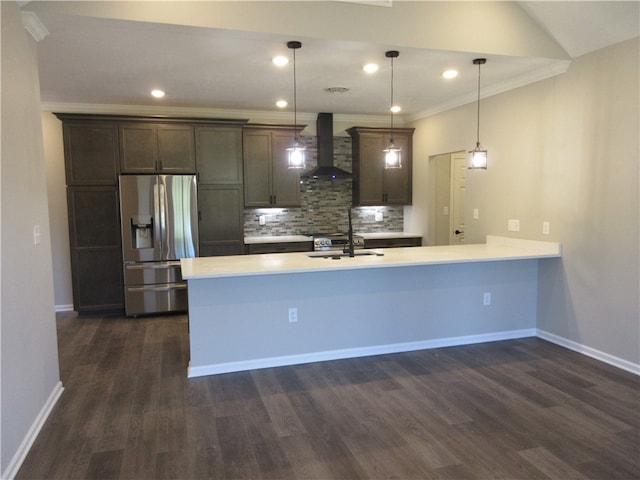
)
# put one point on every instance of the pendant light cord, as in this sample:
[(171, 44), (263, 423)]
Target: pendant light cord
[(478, 120), (295, 100), (391, 106)]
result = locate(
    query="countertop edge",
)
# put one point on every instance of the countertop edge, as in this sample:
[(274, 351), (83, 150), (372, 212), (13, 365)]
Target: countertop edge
[(496, 249)]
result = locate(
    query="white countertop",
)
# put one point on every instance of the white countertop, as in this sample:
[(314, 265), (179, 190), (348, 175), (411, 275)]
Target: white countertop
[(496, 249)]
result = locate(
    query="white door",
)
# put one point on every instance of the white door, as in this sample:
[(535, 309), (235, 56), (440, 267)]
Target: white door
[(458, 179)]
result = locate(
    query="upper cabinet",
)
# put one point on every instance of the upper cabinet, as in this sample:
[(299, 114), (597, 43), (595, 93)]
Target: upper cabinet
[(219, 154), (91, 152), (157, 148), (372, 183), (268, 180)]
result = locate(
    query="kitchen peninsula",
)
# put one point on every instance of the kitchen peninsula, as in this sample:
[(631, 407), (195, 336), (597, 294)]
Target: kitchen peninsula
[(258, 311)]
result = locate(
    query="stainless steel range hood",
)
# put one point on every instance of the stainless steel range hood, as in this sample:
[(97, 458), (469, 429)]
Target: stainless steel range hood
[(326, 168)]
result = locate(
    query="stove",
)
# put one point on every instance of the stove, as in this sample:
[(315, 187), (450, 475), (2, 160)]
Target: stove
[(323, 242)]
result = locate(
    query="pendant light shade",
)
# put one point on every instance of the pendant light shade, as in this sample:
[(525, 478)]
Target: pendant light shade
[(295, 153), (392, 154), (478, 156)]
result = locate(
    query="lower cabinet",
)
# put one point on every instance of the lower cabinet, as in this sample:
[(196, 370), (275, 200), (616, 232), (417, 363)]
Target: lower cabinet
[(393, 242), (221, 226), (281, 247), (96, 253)]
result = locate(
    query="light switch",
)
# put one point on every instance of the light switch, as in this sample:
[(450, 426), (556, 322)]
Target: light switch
[(378, 216), (546, 228), (262, 219), (36, 234), (513, 225), (445, 211), (476, 214)]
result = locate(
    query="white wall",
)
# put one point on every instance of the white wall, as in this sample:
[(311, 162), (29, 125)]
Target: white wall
[(563, 150), (29, 356), (58, 218)]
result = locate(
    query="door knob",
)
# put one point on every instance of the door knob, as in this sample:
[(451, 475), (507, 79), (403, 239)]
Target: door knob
[(457, 232)]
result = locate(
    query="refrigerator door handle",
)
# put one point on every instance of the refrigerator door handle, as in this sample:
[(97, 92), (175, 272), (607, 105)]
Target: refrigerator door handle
[(158, 288), (157, 225), (162, 201)]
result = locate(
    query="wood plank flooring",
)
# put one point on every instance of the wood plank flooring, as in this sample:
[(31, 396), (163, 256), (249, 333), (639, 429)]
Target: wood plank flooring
[(520, 409)]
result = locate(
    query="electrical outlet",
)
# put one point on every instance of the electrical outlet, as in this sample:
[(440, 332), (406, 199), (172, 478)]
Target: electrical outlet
[(513, 225), (546, 228), (262, 219), (293, 315), (486, 298), (378, 216)]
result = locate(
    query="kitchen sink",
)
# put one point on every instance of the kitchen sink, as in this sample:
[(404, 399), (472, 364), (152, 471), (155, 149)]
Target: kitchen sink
[(337, 255)]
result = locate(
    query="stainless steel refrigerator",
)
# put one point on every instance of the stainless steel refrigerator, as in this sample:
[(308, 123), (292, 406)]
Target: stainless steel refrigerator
[(159, 218)]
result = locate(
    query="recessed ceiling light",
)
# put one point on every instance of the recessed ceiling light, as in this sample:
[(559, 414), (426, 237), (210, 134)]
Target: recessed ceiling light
[(280, 60), (449, 74), (157, 93), (281, 103), (396, 108), (370, 68)]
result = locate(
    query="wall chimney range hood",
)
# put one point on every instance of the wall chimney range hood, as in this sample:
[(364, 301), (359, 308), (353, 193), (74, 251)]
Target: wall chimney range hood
[(325, 169)]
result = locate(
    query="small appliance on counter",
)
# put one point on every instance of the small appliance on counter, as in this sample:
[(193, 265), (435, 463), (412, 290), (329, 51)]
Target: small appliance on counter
[(159, 221)]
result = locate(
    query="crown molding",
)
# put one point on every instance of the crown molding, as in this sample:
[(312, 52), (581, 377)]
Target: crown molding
[(552, 70), (34, 26), (254, 116)]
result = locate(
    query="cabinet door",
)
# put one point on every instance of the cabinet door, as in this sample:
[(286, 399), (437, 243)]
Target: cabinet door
[(91, 153), (221, 220), (397, 181), (285, 180), (257, 168), (138, 147), (371, 168), (96, 255), (219, 154), (176, 149)]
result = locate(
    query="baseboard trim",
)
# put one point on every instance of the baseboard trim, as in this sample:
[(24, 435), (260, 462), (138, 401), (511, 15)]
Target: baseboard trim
[(64, 308), (229, 367), (590, 352), (16, 462)]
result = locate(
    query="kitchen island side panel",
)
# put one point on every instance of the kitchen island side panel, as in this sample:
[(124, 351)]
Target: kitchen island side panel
[(238, 323)]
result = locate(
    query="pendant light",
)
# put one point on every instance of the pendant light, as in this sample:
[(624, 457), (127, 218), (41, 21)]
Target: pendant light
[(478, 156), (295, 153), (392, 154)]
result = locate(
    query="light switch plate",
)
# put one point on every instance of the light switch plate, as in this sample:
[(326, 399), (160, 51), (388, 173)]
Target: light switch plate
[(476, 214), (378, 216), (513, 225), (546, 228)]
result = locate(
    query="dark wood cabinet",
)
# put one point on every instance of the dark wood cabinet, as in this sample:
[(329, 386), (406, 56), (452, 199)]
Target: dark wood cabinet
[(221, 218), (279, 247), (220, 189), (91, 153), (96, 254), (268, 181), (157, 148), (219, 155), (392, 242), (372, 183)]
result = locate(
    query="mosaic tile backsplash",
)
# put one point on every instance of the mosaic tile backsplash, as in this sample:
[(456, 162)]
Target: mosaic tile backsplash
[(325, 204)]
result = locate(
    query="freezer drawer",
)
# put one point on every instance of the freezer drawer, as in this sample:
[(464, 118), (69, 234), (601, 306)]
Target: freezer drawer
[(152, 272), (158, 298)]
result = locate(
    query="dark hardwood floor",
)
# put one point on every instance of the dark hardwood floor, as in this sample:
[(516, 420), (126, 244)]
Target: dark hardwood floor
[(521, 409)]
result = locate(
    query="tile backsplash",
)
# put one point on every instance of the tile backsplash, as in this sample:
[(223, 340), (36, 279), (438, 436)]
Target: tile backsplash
[(324, 204)]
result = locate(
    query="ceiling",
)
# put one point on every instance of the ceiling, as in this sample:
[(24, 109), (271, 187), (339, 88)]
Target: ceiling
[(92, 58)]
